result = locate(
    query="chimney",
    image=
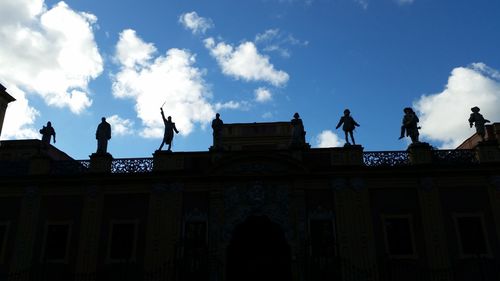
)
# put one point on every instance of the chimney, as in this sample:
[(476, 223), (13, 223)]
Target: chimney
[(5, 99)]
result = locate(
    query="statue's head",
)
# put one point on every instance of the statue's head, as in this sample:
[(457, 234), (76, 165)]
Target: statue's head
[(217, 115), (169, 118), (347, 112), (475, 109), (49, 124), (407, 110), (296, 115), (103, 119)]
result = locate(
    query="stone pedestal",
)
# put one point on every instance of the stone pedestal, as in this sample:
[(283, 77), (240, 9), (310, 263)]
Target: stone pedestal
[(420, 153), (100, 163), (488, 151), (167, 161), (347, 155)]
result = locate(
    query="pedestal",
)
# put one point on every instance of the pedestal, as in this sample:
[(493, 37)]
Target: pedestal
[(488, 151), (167, 161), (100, 163), (347, 155), (420, 153)]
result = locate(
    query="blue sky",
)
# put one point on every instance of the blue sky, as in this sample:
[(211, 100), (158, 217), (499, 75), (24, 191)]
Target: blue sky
[(73, 62)]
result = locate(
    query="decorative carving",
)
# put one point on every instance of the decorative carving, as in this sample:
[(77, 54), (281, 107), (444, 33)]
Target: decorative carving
[(256, 199), (132, 165)]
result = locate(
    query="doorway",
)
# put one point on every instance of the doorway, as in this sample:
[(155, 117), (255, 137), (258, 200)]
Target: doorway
[(258, 250)]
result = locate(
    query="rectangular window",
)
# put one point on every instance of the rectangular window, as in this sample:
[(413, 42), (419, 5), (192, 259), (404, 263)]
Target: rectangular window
[(399, 236), (322, 238), (122, 242), (56, 244), (471, 235), (4, 231)]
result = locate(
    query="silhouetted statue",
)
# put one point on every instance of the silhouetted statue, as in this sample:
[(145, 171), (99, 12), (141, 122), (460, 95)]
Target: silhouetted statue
[(410, 127), (103, 134), (48, 132), (169, 131), (349, 125), (298, 132), (217, 125), (478, 121)]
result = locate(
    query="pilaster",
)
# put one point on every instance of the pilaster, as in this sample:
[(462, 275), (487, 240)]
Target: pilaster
[(433, 228), (26, 231), (88, 251)]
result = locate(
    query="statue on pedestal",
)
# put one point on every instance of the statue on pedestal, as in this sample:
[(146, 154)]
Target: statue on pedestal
[(169, 131), (349, 125), (103, 135), (410, 127), (48, 132), (478, 121), (298, 132), (217, 125)]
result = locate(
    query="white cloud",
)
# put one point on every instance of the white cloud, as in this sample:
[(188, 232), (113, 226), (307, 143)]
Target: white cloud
[(362, 3), (228, 105), (195, 23), (443, 116), (131, 50), (170, 79), (263, 94), (327, 138), (120, 126), (49, 52), (275, 40), (404, 2), (245, 62), (20, 117)]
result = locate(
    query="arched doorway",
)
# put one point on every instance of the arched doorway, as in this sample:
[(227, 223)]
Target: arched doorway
[(258, 251)]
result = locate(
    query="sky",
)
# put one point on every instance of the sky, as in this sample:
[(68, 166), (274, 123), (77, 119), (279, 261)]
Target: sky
[(72, 62)]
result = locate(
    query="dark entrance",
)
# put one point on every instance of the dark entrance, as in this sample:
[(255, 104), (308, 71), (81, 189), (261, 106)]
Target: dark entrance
[(258, 251)]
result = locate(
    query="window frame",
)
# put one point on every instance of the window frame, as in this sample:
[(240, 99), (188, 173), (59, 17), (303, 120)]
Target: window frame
[(133, 255), (456, 216), (409, 218), (65, 260)]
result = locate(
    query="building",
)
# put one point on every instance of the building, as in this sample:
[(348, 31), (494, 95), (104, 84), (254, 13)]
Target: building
[(257, 210)]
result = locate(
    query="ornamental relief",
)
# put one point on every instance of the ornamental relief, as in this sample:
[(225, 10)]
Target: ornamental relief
[(255, 199)]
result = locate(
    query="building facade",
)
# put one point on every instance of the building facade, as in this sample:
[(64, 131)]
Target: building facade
[(256, 210)]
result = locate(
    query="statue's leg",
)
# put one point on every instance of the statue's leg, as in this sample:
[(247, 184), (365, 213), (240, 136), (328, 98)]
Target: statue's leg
[(161, 145), (346, 137), (352, 137), (402, 135)]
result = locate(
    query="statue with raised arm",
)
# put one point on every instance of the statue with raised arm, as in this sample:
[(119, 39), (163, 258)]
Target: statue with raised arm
[(410, 125), (349, 124), (478, 121), (298, 132), (217, 125), (48, 132), (103, 135), (169, 131)]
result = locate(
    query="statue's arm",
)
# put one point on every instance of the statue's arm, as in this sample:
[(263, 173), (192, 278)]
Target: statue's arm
[(340, 123)]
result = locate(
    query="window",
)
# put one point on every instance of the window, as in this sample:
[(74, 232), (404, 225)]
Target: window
[(399, 238), (322, 238), (471, 235), (56, 242), (4, 231), (122, 241)]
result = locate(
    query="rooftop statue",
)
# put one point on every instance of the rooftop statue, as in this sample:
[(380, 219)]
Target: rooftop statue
[(349, 124), (103, 134), (410, 127), (47, 132), (298, 132), (170, 128), (478, 121), (217, 125)]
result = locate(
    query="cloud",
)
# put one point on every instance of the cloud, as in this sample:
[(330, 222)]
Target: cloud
[(229, 105), (263, 95), (404, 2), (20, 117), (49, 52), (443, 116), (245, 62), (327, 138), (362, 3), (170, 79), (275, 40), (195, 23), (120, 126)]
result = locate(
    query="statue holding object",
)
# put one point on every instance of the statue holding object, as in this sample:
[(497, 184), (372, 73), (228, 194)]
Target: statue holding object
[(169, 131)]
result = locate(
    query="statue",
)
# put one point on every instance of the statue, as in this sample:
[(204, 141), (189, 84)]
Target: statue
[(478, 121), (410, 126), (169, 131), (47, 132), (217, 125), (298, 132), (103, 134), (349, 126)]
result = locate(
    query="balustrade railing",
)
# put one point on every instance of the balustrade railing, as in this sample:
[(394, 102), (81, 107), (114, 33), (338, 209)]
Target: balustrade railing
[(454, 157), (132, 165), (386, 158)]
